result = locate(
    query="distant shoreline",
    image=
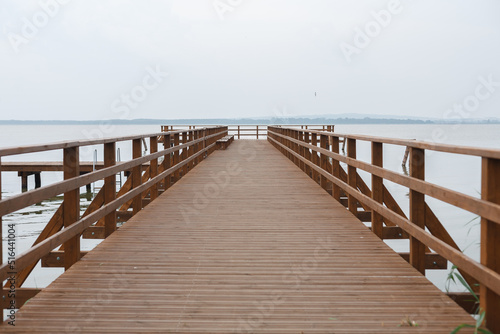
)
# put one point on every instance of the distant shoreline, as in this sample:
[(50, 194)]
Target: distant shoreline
[(247, 121)]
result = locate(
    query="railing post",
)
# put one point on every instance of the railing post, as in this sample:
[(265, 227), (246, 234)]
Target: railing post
[(314, 142), (71, 205), (490, 241), (136, 175), (295, 147), (238, 132), (307, 153), (196, 147), (352, 203), (109, 188), (167, 163), (257, 132), (176, 156), (335, 168), (377, 189), (1, 223), (153, 167), (417, 208), (324, 160), (300, 137)]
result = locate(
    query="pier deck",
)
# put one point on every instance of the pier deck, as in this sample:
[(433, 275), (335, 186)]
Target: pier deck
[(246, 242)]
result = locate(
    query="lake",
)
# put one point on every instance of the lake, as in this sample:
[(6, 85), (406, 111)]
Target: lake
[(456, 172)]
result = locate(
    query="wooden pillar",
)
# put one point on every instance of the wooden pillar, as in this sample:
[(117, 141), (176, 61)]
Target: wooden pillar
[(307, 153), (335, 168), (324, 160), (417, 208), (184, 154), (153, 146), (136, 175), (238, 132), (167, 162), (71, 205), (196, 147), (176, 156), (314, 142), (24, 181), (109, 188), (1, 223), (38, 180), (257, 132), (352, 203), (490, 241), (377, 188), (300, 137)]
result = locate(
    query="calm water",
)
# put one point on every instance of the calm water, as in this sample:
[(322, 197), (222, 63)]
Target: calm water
[(455, 172)]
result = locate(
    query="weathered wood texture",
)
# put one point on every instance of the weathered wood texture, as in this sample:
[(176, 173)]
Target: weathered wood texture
[(244, 243)]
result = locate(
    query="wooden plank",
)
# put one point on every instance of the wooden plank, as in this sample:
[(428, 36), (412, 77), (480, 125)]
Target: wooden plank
[(153, 147), (136, 175), (18, 296), (483, 274), (490, 241), (417, 209), (377, 189), (109, 188), (246, 262), (71, 206), (55, 259), (483, 208), (432, 260), (352, 176)]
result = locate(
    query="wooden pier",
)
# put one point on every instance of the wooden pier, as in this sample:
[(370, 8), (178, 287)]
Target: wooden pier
[(253, 238)]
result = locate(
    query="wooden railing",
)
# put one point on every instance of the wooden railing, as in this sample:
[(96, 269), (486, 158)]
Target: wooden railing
[(250, 131), (317, 154), (183, 150)]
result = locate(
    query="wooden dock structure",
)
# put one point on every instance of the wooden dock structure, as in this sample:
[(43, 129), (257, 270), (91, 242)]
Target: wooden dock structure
[(262, 237)]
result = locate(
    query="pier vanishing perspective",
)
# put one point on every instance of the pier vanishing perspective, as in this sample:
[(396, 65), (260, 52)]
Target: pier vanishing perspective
[(213, 233)]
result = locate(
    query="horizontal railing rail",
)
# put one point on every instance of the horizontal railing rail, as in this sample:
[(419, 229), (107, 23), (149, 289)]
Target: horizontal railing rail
[(257, 131), (317, 154), (183, 150)]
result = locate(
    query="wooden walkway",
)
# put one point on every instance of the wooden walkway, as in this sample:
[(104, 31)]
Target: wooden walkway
[(246, 242)]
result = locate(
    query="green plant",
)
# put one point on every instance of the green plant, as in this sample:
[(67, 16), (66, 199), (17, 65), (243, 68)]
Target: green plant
[(480, 313)]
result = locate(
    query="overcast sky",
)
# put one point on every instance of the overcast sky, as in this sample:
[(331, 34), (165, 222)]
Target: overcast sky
[(103, 59)]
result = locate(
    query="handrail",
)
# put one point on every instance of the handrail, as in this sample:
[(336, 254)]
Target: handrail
[(7, 151), (38, 251), (420, 144), (311, 151), (483, 208), (23, 200), (189, 148)]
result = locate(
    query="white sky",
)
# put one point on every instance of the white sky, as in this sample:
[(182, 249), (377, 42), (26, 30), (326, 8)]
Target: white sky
[(267, 58)]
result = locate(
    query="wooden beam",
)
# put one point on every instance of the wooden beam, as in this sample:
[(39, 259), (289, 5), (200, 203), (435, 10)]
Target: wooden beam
[(352, 204), (136, 175), (377, 189), (490, 241), (109, 188), (432, 260), (18, 296), (465, 300), (417, 209), (153, 147), (71, 206), (55, 259)]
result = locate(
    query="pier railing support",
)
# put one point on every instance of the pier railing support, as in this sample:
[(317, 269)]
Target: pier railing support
[(490, 241), (352, 203), (71, 205), (109, 188), (417, 209), (136, 175), (377, 189)]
